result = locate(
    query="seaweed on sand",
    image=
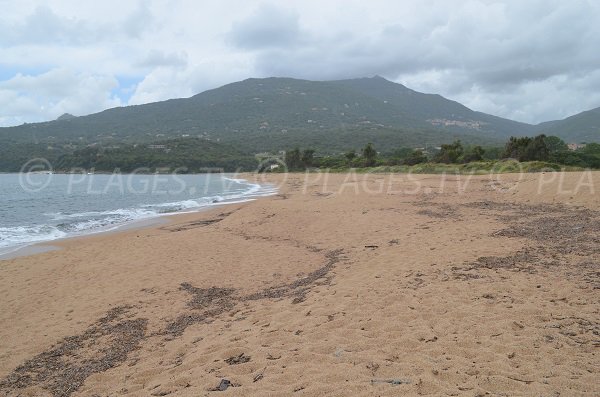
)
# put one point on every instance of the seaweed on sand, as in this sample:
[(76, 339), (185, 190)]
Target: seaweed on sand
[(64, 368)]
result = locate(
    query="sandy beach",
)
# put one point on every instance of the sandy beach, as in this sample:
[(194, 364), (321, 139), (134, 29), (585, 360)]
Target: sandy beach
[(339, 285)]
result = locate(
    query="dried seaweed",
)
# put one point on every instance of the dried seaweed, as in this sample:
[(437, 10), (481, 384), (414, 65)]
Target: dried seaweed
[(64, 368)]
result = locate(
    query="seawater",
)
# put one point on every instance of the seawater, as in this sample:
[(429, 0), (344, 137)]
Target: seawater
[(44, 207)]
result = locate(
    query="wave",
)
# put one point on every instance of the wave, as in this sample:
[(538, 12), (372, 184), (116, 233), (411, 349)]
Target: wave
[(61, 225), (11, 236), (91, 214)]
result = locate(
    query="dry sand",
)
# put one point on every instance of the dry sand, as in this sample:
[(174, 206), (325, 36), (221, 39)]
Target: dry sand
[(345, 285)]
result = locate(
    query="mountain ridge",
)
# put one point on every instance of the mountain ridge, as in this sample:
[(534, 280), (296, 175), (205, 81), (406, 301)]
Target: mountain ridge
[(582, 127), (278, 112)]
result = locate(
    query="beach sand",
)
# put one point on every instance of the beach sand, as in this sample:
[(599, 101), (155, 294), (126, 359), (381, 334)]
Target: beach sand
[(340, 285)]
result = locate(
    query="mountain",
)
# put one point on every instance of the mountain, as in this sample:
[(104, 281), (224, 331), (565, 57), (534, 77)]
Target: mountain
[(582, 127), (278, 113), (435, 110), (65, 116)]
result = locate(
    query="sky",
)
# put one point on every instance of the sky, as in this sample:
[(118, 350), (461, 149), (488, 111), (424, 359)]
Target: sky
[(528, 60)]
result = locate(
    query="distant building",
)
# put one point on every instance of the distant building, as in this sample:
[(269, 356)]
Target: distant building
[(575, 146), (472, 124)]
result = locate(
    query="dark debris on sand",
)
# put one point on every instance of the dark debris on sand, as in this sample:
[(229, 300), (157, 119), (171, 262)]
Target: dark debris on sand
[(208, 303), (437, 210), (300, 287), (522, 261), (196, 224), (65, 367), (239, 359), (556, 236), (569, 232)]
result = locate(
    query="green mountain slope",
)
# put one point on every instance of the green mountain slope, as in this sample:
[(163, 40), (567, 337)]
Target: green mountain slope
[(435, 110), (277, 113), (582, 127)]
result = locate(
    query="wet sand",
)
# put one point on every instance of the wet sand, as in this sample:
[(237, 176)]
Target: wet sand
[(342, 285)]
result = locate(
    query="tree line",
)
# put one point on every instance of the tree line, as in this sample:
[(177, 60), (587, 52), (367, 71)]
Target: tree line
[(198, 155), (542, 148)]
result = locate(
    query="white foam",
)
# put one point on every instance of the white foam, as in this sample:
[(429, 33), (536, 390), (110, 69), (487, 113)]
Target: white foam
[(14, 236), (125, 212), (88, 222)]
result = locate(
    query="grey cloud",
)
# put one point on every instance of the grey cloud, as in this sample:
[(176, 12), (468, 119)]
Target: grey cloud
[(157, 58), (269, 27), (494, 49), (138, 22), (532, 60), (532, 49), (45, 27)]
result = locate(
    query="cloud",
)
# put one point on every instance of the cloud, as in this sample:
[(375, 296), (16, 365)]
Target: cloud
[(157, 58), (557, 97), (533, 60), (268, 27), (482, 49), (166, 83), (50, 94), (44, 26), (139, 21)]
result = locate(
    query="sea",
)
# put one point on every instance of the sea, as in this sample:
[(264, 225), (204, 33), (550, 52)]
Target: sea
[(42, 207)]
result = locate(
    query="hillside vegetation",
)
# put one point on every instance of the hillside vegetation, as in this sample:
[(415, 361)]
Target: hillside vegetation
[(188, 155), (582, 127), (255, 112), (239, 120)]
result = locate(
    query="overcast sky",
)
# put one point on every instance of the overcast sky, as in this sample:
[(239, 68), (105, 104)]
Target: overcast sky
[(528, 60)]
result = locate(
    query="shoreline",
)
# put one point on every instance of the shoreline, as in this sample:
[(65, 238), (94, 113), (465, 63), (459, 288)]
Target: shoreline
[(139, 225), (332, 284), (42, 246), (135, 224), (53, 245)]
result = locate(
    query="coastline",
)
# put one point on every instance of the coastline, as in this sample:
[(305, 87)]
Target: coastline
[(53, 245), (156, 219), (337, 285)]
